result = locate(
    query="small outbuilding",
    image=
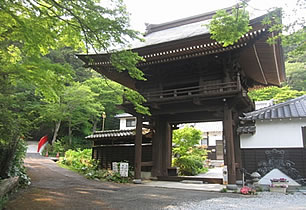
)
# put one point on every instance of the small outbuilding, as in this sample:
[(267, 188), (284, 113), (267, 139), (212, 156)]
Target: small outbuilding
[(275, 137), (119, 145)]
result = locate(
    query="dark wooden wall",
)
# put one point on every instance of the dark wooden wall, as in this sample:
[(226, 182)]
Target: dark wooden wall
[(251, 158), (109, 154)]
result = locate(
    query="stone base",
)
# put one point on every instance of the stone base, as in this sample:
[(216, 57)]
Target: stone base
[(137, 181), (231, 187), (278, 189)]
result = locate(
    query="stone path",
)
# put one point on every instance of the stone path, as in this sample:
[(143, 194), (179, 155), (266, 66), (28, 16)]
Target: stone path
[(57, 188)]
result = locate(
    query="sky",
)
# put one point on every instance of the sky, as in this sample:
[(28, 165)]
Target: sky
[(160, 11)]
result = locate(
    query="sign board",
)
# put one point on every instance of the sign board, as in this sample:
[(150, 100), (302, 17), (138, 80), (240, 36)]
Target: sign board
[(124, 169), (115, 166), (225, 175)]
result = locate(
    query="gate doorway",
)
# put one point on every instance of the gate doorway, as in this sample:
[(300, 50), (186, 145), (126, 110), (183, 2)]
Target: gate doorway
[(210, 140)]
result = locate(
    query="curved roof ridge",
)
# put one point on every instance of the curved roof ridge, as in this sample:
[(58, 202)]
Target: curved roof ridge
[(183, 21)]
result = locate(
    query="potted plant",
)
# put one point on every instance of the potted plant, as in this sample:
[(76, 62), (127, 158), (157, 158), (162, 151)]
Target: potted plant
[(279, 185)]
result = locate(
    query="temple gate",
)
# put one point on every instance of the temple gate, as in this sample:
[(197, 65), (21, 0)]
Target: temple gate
[(192, 78)]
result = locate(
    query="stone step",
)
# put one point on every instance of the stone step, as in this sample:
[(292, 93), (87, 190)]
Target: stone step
[(192, 182)]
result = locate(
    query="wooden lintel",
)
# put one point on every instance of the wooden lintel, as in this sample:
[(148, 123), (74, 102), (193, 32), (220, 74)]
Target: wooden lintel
[(148, 126), (186, 108), (154, 106), (149, 163), (196, 101), (195, 117)]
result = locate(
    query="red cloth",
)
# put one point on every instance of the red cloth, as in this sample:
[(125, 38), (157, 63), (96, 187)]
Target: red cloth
[(42, 142)]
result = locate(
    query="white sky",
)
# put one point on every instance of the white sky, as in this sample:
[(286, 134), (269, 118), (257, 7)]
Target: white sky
[(160, 11)]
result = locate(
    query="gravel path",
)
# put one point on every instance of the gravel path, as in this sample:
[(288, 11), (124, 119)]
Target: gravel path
[(57, 188), (264, 200)]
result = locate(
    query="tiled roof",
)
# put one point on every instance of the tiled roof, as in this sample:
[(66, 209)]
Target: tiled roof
[(294, 108), (123, 115), (115, 133), (181, 29)]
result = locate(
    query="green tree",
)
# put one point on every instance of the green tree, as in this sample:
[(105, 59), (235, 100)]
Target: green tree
[(76, 106), (30, 29), (296, 75), (228, 27), (188, 157), (278, 94), (109, 95), (184, 139)]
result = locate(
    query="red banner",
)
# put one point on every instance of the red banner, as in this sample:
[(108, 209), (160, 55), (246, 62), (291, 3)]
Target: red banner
[(42, 142)]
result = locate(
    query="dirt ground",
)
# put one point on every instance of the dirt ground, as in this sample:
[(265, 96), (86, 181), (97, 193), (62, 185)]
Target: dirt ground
[(56, 188)]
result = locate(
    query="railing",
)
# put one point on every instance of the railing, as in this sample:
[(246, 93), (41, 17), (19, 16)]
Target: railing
[(203, 90)]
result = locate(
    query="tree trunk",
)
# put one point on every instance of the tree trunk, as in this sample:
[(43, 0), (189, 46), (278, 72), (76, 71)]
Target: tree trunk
[(70, 132), (94, 126), (57, 127)]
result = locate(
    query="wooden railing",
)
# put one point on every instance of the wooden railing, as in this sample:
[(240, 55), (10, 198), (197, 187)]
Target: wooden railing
[(203, 90)]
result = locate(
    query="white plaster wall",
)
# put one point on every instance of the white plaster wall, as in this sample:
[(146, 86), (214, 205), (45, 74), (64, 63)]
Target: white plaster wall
[(275, 134), (123, 123), (213, 139)]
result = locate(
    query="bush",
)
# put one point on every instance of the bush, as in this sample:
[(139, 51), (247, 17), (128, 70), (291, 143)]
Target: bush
[(62, 145), (188, 157), (189, 165), (82, 162), (17, 167)]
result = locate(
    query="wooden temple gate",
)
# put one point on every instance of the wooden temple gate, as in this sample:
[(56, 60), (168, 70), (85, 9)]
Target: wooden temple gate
[(192, 78)]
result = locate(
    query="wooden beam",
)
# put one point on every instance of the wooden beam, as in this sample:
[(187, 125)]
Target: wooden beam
[(229, 139), (197, 101), (195, 117), (149, 163), (138, 148)]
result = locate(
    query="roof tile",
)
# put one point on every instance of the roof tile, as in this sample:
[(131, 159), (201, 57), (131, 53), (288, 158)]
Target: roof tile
[(294, 108)]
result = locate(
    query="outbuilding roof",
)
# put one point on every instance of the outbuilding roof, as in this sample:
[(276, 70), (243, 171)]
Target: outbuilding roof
[(115, 134), (294, 108), (123, 115)]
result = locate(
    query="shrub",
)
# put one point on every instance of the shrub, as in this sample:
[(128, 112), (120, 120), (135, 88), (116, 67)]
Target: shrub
[(62, 145), (82, 162), (17, 167), (188, 157), (189, 165)]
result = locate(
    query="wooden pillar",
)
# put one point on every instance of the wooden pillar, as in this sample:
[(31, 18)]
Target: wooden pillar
[(166, 148), (229, 140), (238, 159), (162, 146), (138, 148), (156, 148)]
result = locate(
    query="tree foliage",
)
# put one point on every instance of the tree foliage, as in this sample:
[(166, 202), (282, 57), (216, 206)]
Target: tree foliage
[(228, 27), (188, 156), (32, 69), (108, 95), (296, 75), (184, 139), (278, 94)]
